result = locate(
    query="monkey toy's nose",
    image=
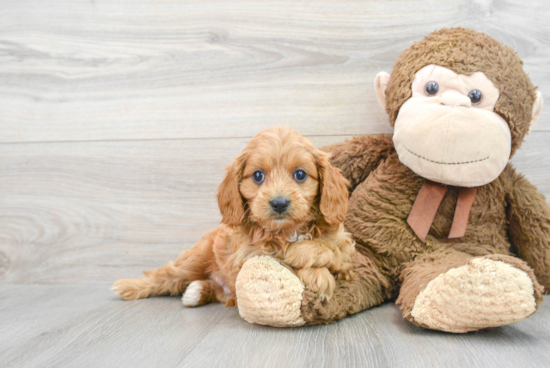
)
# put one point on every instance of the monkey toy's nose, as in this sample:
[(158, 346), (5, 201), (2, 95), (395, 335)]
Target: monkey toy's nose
[(279, 204), (455, 99)]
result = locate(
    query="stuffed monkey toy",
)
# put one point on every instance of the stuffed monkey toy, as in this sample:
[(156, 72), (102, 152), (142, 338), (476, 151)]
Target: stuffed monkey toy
[(442, 221)]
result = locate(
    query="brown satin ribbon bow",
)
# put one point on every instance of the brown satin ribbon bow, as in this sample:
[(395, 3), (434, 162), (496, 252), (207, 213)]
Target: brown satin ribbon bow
[(427, 202)]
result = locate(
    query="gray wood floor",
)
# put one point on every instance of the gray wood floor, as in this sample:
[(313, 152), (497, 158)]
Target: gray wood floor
[(117, 118), (77, 326)]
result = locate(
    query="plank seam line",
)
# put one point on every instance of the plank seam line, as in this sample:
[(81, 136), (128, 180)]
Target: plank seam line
[(170, 139)]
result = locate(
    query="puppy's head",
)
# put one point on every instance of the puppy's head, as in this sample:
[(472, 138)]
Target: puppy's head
[(282, 181)]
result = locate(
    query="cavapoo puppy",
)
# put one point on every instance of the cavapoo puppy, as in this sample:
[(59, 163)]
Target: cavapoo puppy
[(280, 197)]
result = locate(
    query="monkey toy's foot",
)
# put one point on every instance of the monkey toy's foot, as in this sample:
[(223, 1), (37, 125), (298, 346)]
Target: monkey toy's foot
[(482, 293), (269, 293)]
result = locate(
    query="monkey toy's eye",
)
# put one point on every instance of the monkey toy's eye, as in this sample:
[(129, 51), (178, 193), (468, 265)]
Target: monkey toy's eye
[(432, 88), (475, 96), (258, 177), (300, 176)]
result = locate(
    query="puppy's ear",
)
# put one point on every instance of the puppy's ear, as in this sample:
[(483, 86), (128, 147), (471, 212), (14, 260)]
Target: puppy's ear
[(334, 191), (230, 199)]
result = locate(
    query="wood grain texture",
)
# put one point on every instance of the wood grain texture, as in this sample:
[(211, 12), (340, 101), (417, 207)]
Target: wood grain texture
[(88, 212), (117, 118), (76, 326), (141, 69)]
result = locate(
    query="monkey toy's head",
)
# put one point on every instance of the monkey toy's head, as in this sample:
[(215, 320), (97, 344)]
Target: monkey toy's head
[(460, 104)]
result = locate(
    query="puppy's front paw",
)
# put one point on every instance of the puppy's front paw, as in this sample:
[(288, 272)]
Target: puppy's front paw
[(345, 275), (131, 289), (319, 280)]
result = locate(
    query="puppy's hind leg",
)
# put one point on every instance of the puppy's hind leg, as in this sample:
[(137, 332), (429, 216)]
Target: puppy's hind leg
[(172, 279), (201, 292), (168, 280)]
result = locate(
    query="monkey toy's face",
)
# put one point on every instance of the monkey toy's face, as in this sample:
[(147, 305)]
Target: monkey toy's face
[(448, 130)]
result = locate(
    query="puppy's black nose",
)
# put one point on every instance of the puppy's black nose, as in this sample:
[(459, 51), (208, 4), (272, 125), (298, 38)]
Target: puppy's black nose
[(279, 204)]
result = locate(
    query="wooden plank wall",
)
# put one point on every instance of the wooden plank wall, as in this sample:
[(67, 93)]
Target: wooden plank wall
[(117, 117)]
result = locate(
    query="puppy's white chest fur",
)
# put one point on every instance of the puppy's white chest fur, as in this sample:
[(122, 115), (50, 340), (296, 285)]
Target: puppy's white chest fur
[(295, 238)]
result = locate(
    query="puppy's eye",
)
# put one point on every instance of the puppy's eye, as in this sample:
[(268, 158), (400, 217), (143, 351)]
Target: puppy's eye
[(475, 96), (300, 176), (258, 177), (432, 88)]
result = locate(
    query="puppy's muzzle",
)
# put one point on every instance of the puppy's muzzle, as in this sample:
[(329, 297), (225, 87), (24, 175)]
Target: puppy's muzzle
[(279, 205)]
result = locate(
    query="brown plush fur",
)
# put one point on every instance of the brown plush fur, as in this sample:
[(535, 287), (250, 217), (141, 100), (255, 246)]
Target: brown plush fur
[(317, 209), (388, 249), (507, 214), (368, 288)]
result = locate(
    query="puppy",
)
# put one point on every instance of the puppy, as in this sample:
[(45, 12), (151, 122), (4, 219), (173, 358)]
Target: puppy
[(280, 197)]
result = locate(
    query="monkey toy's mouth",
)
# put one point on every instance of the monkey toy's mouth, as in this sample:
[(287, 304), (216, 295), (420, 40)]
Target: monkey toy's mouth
[(445, 163), (462, 167)]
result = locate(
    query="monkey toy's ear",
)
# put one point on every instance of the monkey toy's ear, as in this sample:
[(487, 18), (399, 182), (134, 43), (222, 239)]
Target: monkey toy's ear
[(380, 84), (537, 108)]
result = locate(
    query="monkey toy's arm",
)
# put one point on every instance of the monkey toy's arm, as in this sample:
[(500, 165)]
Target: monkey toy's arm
[(358, 156), (529, 217)]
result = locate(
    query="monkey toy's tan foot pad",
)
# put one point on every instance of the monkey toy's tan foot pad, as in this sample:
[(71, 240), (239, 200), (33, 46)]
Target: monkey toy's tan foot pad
[(483, 293), (269, 293)]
